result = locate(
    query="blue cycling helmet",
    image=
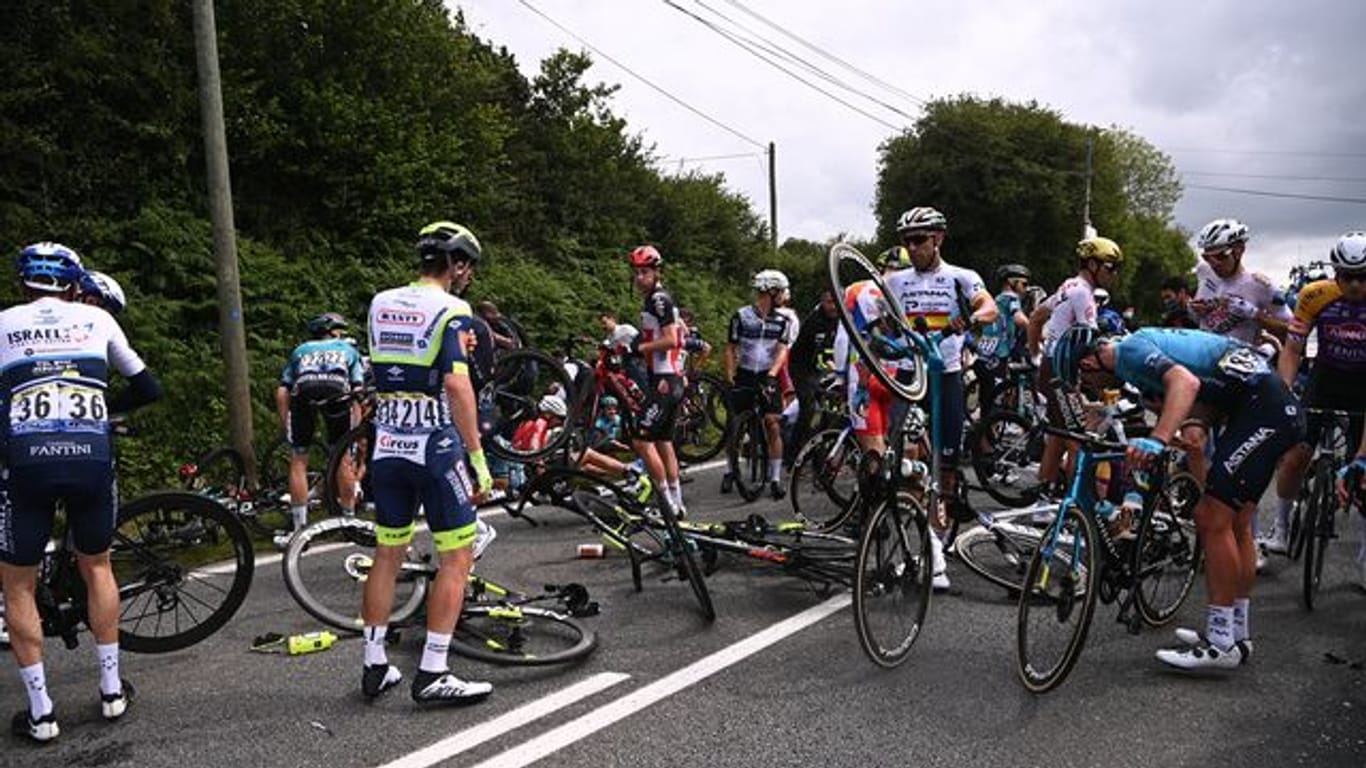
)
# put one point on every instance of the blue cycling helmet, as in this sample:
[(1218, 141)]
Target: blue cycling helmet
[(608, 401), (1076, 343), (49, 267), (106, 289)]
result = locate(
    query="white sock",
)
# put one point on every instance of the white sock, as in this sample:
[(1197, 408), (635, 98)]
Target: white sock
[(1219, 622), (109, 668), (775, 469), (434, 653), (375, 653), (1242, 616), (676, 492), (1283, 512), (300, 515), (791, 412), (35, 682)]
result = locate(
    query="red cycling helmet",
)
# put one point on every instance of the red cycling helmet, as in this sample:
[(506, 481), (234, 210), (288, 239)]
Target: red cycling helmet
[(646, 256)]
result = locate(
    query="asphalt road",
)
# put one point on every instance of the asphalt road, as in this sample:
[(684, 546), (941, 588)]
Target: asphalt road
[(778, 679)]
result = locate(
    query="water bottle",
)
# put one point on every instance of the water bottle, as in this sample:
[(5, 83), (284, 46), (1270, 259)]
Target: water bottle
[(310, 642)]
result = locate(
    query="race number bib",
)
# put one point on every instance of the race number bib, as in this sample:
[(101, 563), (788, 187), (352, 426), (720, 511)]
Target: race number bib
[(1242, 364), (416, 413), (56, 406)]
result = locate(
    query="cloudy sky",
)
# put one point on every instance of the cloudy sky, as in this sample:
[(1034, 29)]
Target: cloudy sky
[(1256, 95)]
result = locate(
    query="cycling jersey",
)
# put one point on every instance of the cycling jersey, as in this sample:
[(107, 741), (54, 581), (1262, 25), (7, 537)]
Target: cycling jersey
[(1072, 304), (1237, 302), (758, 338), (659, 314), (1226, 367), (323, 369), (1341, 326), (940, 296), (1002, 338)]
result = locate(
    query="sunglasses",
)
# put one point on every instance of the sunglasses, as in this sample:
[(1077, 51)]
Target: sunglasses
[(1111, 268), (916, 239), (1351, 277), (1218, 255)]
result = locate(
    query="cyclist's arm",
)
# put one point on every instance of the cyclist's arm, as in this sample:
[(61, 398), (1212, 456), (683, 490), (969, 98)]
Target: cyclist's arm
[(143, 387), (1288, 364), (732, 345), (1179, 387), (1036, 322), (730, 363), (984, 309), (282, 405), (455, 382), (668, 339), (779, 360)]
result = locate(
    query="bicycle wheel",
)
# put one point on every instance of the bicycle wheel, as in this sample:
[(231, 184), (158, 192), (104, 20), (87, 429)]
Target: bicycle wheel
[(747, 454), (1057, 602), (848, 267), (824, 481), (184, 564), (520, 379), (1318, 526), (700, 433), (327, 563), (520, 635), (1000, 554), (1167, 552), (1004, 458), (681, 552), (352, 455), (892, 580)]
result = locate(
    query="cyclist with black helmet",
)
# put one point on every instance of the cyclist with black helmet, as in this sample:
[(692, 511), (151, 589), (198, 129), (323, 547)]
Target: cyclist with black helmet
[(660, 342), (426, 445), (320, 379), (1003, 340), (1260, 419)]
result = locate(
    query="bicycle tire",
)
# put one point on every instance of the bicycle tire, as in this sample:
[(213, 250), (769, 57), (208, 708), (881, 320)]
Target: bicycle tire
[(1002, 458), (818, 498), (1079, 546), (520, 379), (222, 476), (698, 437), (331, 592), (499, 634), (1000, 554), (848, 267), (358, 447), (893, 560), (147, 529), (1318, 527), (747, 454), (1167, 544), (680, 550)]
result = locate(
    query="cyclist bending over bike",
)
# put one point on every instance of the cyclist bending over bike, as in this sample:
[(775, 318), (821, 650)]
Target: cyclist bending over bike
[(55, 354), (1261, 421), (756, 351)]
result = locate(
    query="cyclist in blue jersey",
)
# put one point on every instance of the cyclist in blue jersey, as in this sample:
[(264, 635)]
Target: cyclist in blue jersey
[(320, 379), (1261, 421), (55, 358), (426, 443), (1002, 340)]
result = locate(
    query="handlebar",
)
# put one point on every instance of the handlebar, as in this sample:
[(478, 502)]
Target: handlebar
[(1089, 441)]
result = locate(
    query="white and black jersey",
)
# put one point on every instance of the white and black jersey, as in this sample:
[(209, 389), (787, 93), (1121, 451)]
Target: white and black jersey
[(758, 338)]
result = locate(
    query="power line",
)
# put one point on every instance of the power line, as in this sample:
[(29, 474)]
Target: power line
[(1293, 152), (1278, 177), (1285, 195), (736, 156), (829, 56), (642, 79), (750, 50)]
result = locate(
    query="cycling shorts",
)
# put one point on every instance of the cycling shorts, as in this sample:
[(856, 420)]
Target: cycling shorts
[(747, 389), (1334, 390), (870, 403), (85, 488), (656, 420), (1267, 422), (950, 405), (336, 417), (440, 483)]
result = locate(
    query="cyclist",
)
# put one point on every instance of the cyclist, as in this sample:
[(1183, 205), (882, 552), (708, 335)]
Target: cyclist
[(808, 359), (425, 429), (1002, 340), (756, 351), (320, 379), (1336, 308), (660, 343), (1231, 300), (1261, 421), (1108, 319), (1176, 297), (102, 291), (55, 357)]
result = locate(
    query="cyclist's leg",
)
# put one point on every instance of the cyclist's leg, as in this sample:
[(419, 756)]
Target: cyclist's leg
[(1053, 447), (24, 534), (395, 482), (300, 437), (338, 422)]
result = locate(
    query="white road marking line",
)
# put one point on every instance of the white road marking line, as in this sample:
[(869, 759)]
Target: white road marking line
[(581, 728), (474, 736)]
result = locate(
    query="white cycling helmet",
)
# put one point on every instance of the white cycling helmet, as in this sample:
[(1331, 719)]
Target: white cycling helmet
[(1101, 296), (1349, 255), (921, 218), (1222, 233), (553, 405), (769, 280)]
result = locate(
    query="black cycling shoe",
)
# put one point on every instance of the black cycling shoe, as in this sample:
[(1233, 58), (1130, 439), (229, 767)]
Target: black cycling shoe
[(776, 490), (378, 678), (40, 731), (727, 482)]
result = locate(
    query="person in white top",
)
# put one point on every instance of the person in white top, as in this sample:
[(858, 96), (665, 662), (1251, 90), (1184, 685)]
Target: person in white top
[(1074, 303), (1231, 300)]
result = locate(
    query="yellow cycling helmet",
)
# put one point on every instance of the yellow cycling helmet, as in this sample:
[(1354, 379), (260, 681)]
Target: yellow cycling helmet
[(1102, 249)]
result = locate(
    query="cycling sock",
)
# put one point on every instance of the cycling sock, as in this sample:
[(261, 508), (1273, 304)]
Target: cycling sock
[(1220, 626), (300, 515), (775, 469), (109, 668), (348, 512), (676, 492), (1283, 512), (434, 653), (1242, 618), (35, 682), (374, 645)]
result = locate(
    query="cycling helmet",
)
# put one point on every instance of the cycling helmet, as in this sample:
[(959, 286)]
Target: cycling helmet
[(554, 406), (1349, 255), (1074, 344), (49, 267), (921, 218), (1012, 272), (896, 257), (1316, 272), (607, 401), (106, 288), (1102, 249), (1101, 296), (449, 241), (1222, 233), (646, 256), (325, 323), (769, 280)]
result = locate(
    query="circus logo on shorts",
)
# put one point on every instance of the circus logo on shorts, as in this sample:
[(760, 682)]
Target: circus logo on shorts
[(398, 445), (390, 316)]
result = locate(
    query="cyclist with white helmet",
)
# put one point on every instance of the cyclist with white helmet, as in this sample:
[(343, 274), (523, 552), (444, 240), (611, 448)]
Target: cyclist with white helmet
[(1230, 299), (757, 344), (1336, 309)]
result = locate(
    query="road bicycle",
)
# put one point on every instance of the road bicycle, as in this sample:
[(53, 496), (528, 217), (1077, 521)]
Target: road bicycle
[(1314, 523)]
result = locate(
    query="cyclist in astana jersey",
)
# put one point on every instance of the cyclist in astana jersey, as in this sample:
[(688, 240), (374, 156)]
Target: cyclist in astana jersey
[(55, 359), (756, 352), (1336, 308), (660, 342), (1074, 303), (1004, 339), (426, 427), (320, 379), (1231, 300), (1261, 421)]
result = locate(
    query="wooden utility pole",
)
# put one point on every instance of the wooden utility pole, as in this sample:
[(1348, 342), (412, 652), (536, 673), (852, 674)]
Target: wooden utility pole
[(232, 333), (772, 196), (1086, 229)]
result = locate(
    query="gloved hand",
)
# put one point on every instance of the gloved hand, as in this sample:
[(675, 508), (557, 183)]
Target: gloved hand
[(482, 476)]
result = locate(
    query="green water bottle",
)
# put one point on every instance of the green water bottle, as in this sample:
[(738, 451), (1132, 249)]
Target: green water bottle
[(310, 642)]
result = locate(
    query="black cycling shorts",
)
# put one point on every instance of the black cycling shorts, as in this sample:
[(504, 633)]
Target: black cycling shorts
[(747, 389), (336, 415), (1336, 391), (1268, 422), (660, 411), (951, 405), (29, 500)]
